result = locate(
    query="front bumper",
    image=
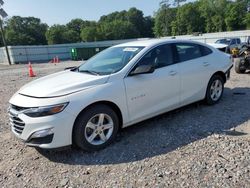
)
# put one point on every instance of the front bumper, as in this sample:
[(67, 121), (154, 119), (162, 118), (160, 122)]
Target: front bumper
[(48, 132)]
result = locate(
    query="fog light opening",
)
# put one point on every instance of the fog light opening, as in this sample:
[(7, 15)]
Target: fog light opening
[(42, 133)]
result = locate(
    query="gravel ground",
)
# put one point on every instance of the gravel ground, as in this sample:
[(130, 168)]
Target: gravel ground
[(195, 146)]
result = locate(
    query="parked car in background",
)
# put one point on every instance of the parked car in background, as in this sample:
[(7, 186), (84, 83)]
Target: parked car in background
[(221, 47), (231, 43), (122, 85)]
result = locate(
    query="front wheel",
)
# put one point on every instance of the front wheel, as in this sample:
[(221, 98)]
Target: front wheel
[(214, 90), (95, 128)]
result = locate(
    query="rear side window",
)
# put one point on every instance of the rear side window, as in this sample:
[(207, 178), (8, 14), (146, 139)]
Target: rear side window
[(205, 50), (188, 51)]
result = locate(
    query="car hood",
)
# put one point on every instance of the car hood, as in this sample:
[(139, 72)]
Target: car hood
[(61, 84)]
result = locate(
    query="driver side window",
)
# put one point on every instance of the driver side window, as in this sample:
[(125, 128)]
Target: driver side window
[(160, 56)]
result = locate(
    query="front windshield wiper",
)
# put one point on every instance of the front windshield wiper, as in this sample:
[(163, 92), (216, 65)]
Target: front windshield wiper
[(90, 72)]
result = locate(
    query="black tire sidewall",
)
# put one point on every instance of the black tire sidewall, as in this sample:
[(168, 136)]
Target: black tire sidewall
[(79, 127), (208, 98), (239, 68)]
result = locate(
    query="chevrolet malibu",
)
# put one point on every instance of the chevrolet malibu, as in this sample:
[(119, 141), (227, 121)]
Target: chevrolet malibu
[(125, 84)]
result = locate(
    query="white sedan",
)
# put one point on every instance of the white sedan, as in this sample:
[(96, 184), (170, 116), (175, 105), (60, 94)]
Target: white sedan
[(125, 84)]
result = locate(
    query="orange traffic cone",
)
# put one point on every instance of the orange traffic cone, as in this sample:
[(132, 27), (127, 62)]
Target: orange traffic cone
[(31, 73), (57, 59)]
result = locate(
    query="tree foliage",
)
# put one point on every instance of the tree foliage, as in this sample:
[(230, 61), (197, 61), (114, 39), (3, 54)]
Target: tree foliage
[(119, 25), (25, 31), (164, 21), (203, 16), (174, 17)]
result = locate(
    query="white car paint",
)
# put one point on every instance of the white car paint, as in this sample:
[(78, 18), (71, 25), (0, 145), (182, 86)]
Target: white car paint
[(138, 97)]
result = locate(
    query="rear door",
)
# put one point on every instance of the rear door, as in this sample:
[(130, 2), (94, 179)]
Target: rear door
[(195, 70)]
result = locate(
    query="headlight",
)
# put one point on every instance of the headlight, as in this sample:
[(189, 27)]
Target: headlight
[(45, 111)]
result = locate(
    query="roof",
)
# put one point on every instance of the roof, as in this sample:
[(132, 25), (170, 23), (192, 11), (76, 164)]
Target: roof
[(152, 42), (147, 42)]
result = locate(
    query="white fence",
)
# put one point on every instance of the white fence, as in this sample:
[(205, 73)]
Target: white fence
[(45, 53), (23, 54), (212, 37)]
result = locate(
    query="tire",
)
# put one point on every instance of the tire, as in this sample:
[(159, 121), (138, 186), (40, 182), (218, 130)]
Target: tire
[(98, 123), (215, 90), (239, 67)]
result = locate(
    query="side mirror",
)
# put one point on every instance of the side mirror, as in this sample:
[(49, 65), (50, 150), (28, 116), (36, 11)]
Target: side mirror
[(143, 69)]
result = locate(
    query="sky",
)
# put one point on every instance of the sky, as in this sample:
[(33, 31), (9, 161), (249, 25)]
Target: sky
[(62, 11)]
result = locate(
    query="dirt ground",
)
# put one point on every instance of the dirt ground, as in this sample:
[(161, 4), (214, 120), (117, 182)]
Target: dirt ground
[(195, 146)]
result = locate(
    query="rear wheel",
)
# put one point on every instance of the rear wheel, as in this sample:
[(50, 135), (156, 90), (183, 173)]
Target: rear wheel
[(95, 128), (214, 90), (239, 66)]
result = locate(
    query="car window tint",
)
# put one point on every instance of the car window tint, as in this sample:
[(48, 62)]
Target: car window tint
[(160, 56), (164, 56), (188, 51), (238, 41), (205, 50), (233, 41)]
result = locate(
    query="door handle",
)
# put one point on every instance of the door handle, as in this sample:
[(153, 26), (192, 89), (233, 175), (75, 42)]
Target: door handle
[(205, 64), (172, 73)]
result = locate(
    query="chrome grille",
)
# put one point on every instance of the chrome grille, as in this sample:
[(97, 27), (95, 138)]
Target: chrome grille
[(17, 124)]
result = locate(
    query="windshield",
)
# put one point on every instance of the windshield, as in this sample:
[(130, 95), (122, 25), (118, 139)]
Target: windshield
[(110, 60), (223, 41)]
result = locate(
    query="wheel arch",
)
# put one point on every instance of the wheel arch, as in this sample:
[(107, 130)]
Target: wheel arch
[(112, 105), (222, 74)]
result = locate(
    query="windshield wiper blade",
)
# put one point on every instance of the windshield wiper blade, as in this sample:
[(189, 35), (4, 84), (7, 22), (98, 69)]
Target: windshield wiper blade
[(90, 72)]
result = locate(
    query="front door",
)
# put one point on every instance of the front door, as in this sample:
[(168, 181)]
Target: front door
[(157, 92)]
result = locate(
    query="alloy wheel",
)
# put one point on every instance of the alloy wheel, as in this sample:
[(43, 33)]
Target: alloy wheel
[(216, 90), (99, 129)]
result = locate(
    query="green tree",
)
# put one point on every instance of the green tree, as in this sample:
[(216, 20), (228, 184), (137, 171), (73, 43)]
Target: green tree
[(166, 18), (189, 19), (235, 15), (247, 20), (71, 36), (25, 31), (89, 33), (175, 3), (148, 27), (163, 21), (74, 27), (54, 34), (61, 34), (214, 13), (118, 29), (136, 18), (119, 25)]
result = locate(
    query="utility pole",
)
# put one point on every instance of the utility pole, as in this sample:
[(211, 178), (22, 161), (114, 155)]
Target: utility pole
[(3, 15)]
